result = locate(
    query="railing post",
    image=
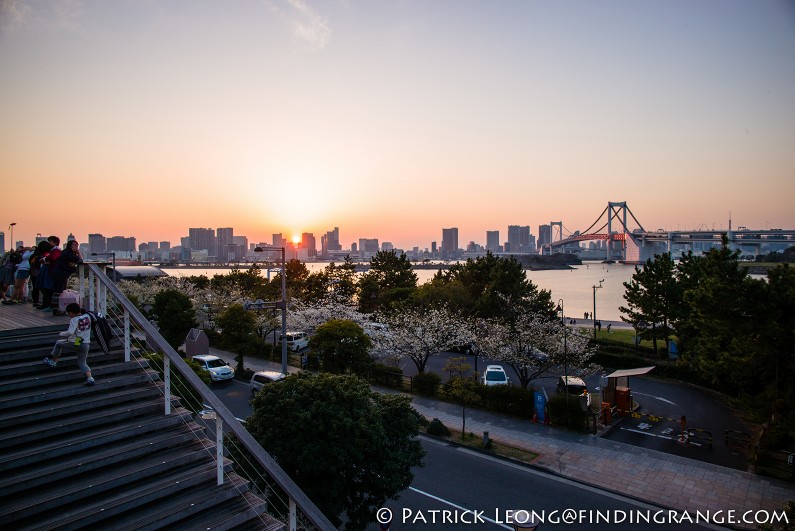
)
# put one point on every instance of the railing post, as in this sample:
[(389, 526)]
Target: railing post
[(126, 335), (91, 290), (293, 523), (167, 378), (219, 448), (81, 290)]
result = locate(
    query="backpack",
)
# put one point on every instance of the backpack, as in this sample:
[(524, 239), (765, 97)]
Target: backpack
[(101, 330)]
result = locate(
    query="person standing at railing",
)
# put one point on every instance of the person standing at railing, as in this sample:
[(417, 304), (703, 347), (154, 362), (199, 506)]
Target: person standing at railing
[(64, 268), (35, 269), (45, 275), (78, 337), (21, 277)]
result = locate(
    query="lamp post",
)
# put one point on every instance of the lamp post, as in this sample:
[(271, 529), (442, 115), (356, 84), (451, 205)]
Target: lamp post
[(595, 287), (282, 304), (11, 229), (565, 356), (112, 254)]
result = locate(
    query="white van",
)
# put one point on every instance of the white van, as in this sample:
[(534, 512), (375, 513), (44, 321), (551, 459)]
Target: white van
[(263, 378), (296, 341)]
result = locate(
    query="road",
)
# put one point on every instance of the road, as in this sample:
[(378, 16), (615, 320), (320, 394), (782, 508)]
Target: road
[(457, 480)]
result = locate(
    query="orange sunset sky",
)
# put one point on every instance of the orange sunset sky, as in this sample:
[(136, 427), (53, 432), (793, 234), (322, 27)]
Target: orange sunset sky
[(392, 120)]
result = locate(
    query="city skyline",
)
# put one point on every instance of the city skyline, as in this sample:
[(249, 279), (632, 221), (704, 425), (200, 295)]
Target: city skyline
[(393, 120)]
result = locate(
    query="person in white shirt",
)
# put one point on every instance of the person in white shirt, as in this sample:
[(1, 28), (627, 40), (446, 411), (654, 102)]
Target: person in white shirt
[(77, 337)]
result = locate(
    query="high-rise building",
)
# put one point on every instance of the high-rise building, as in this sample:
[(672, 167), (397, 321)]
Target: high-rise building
[(96, 243), (493, 241), (224, 238), (279, 241), (387, 246), (120, 244), (519, 238), (544, 235), (202, 240), (368, 247), (3, 243), (450, 243), (308, 243), (330, 242)]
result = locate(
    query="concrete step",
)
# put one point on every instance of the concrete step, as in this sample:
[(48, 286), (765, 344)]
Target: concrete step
[(75, 404), (72, 491), (135, 497), (78, 442), (46, 472), (80, 422)]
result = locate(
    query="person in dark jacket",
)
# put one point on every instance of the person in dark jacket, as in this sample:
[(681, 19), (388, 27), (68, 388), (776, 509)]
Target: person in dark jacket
[(64, 268), (42, 249), (48, 261)]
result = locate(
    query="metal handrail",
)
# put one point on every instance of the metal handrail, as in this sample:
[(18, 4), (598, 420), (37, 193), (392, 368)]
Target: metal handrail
[(279, 476)]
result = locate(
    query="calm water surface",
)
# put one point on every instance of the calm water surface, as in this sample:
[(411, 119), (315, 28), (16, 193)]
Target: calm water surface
[(574, 286)]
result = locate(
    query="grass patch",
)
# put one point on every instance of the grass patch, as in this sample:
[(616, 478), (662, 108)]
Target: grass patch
[(496, 448)]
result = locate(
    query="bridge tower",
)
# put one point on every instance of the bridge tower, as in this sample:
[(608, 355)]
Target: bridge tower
[(615, 208), (552, 225)]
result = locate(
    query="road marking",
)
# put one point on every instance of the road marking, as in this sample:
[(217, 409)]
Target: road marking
[(691, 443), (451, 504), (657, 397)]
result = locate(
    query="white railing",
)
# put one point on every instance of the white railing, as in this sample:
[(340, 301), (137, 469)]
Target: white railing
[(98, 293)]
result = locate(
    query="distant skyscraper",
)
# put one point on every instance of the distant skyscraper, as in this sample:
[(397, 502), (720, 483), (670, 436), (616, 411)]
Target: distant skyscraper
[(368, 247), (450, 242), (493, 241), (202, 240), (308, 243), (279, 241), (96, 243), (387, 246), (120, 244), (519, 238), (3, 243), (544, 235), (224, 238), (330, 242)]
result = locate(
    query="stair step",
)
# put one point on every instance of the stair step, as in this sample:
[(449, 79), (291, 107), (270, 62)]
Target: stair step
[(53, 470), (81, 422), (71, 491), (77, 442), (136, 497), (217, 499), (71, 405), (73, 388), (247, 511), (66, 373), (25, 368)]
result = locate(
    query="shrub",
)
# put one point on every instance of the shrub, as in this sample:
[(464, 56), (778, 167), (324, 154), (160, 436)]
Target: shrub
[(435, 427), (179, 387), (426, 383), (576, 418), (386, 375)]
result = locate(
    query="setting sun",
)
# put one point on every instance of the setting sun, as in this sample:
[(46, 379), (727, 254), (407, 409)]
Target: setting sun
[(296, 239)]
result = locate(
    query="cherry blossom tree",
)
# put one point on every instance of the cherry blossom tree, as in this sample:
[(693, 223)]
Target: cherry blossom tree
[(420, 332), (534, 345)]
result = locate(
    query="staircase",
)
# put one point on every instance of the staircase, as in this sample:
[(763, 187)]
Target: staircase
[(106, 457)]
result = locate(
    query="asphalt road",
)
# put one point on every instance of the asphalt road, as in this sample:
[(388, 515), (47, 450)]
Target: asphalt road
[(458, 480)]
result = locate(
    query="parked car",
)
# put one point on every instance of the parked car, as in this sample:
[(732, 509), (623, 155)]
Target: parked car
[(263, 378), (576, 387), (495, 375), (218, 368), (295, 340)]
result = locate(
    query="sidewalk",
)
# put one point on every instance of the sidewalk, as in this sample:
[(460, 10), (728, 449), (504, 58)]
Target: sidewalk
[(662, 479)]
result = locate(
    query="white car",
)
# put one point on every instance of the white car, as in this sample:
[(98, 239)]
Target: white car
[(218, 368), (495, 375), (296, 341), (263, 378), (576, 387)]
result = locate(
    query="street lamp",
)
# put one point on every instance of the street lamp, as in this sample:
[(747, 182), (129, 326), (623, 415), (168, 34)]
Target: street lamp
[(111, 254), (282, 304), (565, 356), (11, 229), (595, 287)]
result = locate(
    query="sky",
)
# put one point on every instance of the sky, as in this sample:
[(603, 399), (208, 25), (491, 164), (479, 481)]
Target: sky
[(393, 119)]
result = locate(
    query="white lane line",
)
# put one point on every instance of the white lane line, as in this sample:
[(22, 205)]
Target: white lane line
[(655, 397), (451, 504), (691, 443)]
